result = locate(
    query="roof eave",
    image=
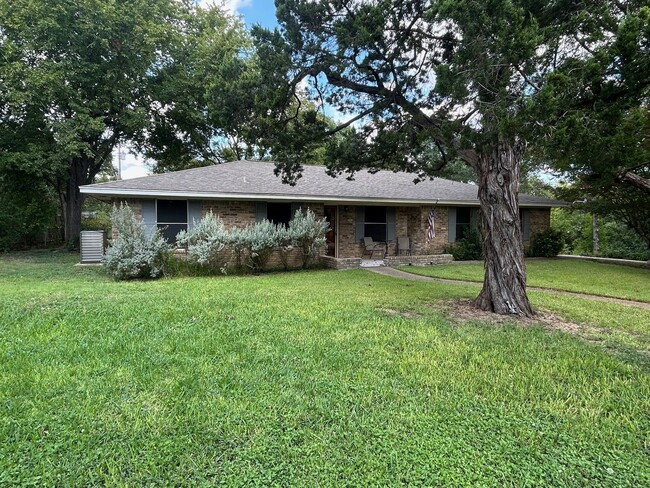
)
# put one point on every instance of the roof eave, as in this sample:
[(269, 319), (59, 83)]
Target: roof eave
[(342, 200)]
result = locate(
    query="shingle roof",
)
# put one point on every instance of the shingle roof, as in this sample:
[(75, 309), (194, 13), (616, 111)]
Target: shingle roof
[(254, 180)]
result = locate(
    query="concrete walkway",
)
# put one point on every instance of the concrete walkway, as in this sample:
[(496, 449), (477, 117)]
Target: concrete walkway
[(396, 273)]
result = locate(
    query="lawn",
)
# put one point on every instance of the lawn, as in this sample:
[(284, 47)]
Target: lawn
[(561, 274), (307, 379)]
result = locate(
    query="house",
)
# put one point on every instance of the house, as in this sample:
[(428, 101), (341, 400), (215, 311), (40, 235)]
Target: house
[(384, 205)]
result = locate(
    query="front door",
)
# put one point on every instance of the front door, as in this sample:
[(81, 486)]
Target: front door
[(330, 237)]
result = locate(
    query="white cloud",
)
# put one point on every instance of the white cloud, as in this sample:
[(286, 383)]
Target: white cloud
[(231, 6), (133, 165)]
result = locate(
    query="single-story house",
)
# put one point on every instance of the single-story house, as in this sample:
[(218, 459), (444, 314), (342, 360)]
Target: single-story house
[(384, 205)]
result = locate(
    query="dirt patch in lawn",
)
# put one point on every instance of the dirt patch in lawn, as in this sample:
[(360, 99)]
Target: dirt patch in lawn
[(463, 311), (409, 314)]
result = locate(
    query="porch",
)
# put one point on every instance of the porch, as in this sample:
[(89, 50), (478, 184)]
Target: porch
[(354, 263)]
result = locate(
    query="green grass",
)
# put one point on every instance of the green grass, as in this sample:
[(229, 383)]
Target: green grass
[(305, 379), (561, 274)]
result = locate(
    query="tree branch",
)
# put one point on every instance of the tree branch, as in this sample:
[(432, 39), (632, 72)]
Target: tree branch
[(633, 179)]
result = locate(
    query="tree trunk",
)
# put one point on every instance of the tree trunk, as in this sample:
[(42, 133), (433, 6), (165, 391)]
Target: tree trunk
[(504, 286), (73, 202)]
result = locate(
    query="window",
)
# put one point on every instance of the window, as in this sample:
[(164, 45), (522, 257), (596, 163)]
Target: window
[(171, 218), (375, 223), (279, 213), (463, 221)]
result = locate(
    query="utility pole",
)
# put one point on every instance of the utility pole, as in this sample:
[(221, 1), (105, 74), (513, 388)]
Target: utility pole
[(120, 158)]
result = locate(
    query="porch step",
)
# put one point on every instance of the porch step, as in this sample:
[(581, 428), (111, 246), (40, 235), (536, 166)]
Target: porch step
[(372, 263)]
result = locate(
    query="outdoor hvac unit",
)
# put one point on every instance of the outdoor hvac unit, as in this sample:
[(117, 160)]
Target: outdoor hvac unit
[(92, 246)]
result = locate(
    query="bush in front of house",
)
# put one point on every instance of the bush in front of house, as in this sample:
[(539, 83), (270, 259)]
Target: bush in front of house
[(206, 244), (133, 254), (468, 248), (308, 235), (546, 244), (286, 244), (238, 244), (260, 241)]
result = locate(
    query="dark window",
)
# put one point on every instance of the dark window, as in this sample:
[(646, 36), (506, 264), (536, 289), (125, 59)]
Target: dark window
[(278, 213), (171, 217), (375, 223), (463, 221)]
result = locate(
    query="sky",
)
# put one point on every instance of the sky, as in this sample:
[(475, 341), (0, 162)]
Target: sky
[(252, 12)]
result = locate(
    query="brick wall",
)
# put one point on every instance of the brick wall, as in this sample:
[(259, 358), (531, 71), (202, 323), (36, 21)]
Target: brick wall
[(418, 225), (135, 206), (540, 220), (422, 260), (340, 263), (233, 213), (348, 245), (409, 222)]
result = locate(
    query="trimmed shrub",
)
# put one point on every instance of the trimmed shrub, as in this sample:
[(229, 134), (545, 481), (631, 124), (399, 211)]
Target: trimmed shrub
[(261, 240), (133, 254), (238, 243), (308, 234), (546, 244), (469, 248), (286, 244), (205, 243)]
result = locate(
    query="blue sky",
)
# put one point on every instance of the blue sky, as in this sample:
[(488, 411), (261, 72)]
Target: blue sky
[(255, 11)]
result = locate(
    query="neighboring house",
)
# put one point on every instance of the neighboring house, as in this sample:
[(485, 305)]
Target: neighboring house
[(382, 205)]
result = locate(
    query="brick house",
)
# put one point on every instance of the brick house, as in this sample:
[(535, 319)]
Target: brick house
[(383, 205)]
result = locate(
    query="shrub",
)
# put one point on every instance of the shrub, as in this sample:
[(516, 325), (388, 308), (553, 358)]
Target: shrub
[(546, 244), (99, 222), (133, 254), (205, 243), (468, 248), (286, 243), (260, 241), (308, 234), (238, 243)]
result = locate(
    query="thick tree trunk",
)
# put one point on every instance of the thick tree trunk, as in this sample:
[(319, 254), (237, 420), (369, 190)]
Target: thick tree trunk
[(504, 286), (73, 202)]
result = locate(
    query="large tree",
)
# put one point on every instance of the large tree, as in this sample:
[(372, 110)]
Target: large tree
[(206, 97), (594, 119), (453, 75), (77, 77)]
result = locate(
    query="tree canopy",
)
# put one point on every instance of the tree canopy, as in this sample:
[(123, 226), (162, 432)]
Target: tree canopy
[(78, 77), (426, 82), (594, 118)]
